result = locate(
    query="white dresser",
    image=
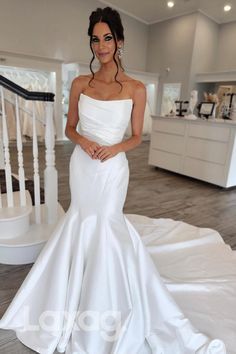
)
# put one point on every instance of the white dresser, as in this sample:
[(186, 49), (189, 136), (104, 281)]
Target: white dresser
[(202, 149)]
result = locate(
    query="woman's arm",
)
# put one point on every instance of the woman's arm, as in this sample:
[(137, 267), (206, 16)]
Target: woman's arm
[(73, 117), (73, 114)]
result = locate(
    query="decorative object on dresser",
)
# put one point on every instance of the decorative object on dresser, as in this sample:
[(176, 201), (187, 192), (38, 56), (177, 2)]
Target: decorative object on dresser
[(223, 99), (181, 108), (206, 109), (168, 106), (192, 104), (171, 93), (233, 108), (211, 98)]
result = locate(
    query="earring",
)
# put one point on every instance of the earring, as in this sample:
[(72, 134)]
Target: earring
[(120, 52)]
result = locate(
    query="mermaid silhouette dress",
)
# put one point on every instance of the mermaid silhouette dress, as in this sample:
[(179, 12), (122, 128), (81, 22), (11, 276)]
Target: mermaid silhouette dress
[(94, 288)]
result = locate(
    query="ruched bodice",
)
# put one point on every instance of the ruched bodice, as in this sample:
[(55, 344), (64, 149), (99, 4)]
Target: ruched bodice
[(104, 121)]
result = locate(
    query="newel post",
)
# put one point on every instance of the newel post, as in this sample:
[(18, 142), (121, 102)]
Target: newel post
[(10, 200), (50, 172)]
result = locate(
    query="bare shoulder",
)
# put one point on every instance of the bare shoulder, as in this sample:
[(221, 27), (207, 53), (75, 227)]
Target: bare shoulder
[(80, 80), (78, 84), (136, 87), (85, 76), (139, 91), (139, 86)]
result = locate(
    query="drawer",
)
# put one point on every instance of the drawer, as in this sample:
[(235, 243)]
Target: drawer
[(207, 150), (165, 160), (169, 126), (209, 132), (167, 142), (205, 171)]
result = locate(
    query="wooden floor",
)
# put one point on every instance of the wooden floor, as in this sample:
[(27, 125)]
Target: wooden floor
[(152, 192)]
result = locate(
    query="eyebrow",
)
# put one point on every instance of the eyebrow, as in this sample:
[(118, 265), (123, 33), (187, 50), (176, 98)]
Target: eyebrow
[(94, 35)]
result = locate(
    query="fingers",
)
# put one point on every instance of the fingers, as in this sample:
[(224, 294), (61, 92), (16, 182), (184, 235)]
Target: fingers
[(96, 151), (106, 158), (91, 150), (105, 154)]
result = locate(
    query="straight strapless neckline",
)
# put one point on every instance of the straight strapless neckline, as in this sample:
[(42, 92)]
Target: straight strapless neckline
[(95, 99)]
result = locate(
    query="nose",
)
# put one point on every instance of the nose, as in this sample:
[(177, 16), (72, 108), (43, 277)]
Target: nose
[(102, 44)]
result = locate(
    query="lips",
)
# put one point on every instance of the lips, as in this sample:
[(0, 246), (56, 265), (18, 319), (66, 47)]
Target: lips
[(102, 54)]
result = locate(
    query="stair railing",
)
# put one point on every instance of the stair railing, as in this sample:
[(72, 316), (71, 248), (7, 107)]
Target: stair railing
[(50, 172)]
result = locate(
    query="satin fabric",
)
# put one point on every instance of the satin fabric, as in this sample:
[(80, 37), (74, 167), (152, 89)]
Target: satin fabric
[(144, 286)]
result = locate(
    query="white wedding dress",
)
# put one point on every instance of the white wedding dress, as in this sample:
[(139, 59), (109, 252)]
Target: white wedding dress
[(96, 288)]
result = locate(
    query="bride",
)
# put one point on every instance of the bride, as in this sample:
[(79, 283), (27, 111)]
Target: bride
[(94, 289)]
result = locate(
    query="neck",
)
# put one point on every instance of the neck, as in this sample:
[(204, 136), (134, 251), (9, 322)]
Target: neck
[(107, 72)]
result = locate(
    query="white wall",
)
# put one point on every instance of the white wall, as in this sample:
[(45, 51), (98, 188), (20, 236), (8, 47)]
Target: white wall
[(57, 29), (171, 45), (226, 56), (204, 54), (189, 45)]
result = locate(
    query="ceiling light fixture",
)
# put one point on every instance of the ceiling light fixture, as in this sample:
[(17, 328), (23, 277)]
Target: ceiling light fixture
[(170, 3), (227, 8)]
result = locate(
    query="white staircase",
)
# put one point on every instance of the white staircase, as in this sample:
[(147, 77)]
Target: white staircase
[(15, 221), (25, 228), (25, 247)]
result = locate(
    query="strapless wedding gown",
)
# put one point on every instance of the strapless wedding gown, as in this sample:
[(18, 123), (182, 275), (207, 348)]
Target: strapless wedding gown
[(96, 288)]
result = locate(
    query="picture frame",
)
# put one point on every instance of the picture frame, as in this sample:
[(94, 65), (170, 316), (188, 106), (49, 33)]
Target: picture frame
[(206, 109), (171, 93)]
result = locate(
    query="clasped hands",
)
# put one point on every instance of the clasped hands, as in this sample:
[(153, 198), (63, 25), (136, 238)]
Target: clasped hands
[(96, 151)]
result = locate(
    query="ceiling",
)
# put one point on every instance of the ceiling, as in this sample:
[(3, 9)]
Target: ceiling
[(152, 11)]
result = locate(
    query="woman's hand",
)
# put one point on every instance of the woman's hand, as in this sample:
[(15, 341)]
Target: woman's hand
[(106, 152), (90, 147)]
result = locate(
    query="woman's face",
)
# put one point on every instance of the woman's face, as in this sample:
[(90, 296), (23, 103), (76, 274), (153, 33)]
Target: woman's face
[(103, 42)]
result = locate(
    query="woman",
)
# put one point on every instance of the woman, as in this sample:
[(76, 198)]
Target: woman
[(94, 288), (112, 82)]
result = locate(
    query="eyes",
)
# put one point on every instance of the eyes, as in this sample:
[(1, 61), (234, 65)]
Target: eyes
[(107, 38)]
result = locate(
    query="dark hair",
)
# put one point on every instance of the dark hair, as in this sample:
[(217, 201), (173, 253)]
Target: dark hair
[(112, 18)]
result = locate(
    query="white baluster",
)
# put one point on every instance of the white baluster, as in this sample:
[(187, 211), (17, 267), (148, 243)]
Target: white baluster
[(1, 145), (10, 201), (1, 156), (36, 171), (21, 171), (50, 172), (0, 197)]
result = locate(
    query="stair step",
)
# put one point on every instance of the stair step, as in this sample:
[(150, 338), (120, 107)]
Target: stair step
[(15, 220), (25, 248)]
